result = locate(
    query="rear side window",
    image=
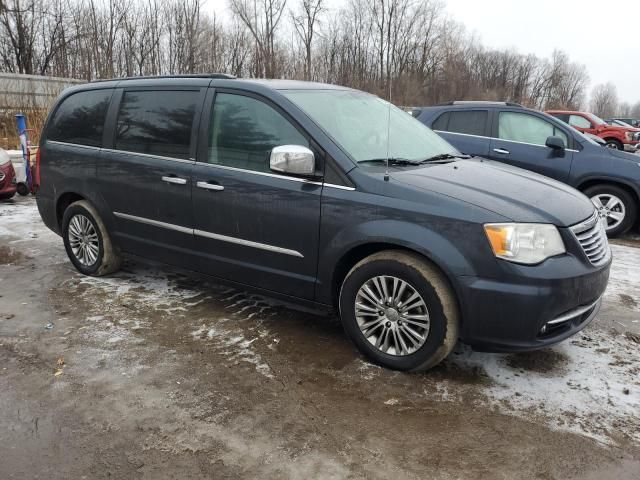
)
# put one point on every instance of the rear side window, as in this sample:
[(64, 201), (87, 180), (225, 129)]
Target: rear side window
[(579, 121), (156, 122), (468, 122), (80, 118), (244, 130), (441, 122)]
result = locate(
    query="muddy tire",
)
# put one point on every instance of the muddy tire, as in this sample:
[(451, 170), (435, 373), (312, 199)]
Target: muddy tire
[(400, 311), (87, 241)]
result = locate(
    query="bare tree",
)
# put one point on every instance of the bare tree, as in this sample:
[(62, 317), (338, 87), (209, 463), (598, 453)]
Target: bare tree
[(261, 17), (304, 22), (604, 100)]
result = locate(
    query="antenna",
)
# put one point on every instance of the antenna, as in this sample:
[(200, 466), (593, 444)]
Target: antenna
[(386, 171)]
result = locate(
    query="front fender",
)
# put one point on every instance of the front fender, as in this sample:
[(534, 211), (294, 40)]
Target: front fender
[(427, 241)]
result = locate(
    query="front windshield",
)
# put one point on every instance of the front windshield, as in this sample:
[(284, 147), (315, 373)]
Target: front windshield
[(596, 119), (361, 123)]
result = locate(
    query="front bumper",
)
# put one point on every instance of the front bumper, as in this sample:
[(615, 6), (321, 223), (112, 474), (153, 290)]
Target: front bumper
[(7, 180), (531, 307), (632, 147)]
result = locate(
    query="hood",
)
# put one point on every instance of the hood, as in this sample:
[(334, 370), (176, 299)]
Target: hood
[(4, 157), (616, 128), (514, 193), (632, 157)]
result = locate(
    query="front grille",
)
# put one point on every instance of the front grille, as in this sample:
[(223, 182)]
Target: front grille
[(1, 176), (593, 239)]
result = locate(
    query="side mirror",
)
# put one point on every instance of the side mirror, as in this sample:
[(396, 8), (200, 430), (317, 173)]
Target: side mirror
[(555, 143), (293, 159)]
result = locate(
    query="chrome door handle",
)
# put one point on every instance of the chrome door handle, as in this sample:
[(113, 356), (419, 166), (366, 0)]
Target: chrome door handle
[(209, 186), (176, 180), (501, 151)]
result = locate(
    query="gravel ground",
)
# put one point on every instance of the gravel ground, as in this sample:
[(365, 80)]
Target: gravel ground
[(160, 373)]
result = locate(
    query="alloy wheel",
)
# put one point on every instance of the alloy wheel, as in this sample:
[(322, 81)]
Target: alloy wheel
[(83, 240), (610, 208), (392, 315)]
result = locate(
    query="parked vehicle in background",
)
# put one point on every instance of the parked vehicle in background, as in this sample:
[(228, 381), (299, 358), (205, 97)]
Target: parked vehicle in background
[(634, 122), (294, 188), (617, 123), (533, 140), (7, 177), (596, 139), (620, 138)]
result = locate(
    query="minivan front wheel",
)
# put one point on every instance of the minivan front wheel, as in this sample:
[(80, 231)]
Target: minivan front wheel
[(87, 241), (615, 206), (399, 311)]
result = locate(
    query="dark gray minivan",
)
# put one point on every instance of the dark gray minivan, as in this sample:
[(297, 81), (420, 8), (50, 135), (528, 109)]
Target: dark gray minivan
[(283, 186)]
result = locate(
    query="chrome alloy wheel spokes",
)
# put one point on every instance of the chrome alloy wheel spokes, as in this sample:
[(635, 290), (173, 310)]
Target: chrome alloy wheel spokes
[(610, 209), (392, 315), (83, 240)]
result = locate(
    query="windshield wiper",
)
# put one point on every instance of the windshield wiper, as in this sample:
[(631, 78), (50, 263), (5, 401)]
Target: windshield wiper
[(442, 157), (393, 161)]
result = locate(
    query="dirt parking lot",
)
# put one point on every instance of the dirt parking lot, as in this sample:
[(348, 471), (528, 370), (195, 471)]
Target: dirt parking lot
[(159, 373)]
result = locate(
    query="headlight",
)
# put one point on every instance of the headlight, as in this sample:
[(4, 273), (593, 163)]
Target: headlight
[(526, 243), (629, 136)]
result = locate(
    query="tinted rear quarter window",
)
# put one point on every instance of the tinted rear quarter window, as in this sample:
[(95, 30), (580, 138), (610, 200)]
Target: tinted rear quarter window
[(156, 122), (80, 118)]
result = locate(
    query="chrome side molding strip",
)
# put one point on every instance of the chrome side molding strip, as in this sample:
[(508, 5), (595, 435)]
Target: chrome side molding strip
[(213, 236), (248, 243), (155, 223)]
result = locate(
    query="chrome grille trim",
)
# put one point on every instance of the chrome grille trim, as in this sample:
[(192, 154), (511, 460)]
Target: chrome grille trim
[(592, 237), (2, 176)]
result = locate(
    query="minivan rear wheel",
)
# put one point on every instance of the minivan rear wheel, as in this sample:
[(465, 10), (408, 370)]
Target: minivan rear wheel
[(616, 207), (399, 311), (87, 240)]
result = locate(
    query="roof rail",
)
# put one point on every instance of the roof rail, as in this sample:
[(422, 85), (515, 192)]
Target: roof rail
[(480, 102), (191, 75)]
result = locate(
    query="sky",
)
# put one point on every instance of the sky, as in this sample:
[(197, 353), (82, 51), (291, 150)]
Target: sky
[(606, 41)]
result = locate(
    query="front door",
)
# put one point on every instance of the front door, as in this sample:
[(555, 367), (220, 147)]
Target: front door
[(145, 175), (252, 225), (520, 141)]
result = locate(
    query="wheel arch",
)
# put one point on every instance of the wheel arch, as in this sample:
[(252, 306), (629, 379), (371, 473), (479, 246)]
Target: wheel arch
[(63, 202), (359, 252), (592, 182)]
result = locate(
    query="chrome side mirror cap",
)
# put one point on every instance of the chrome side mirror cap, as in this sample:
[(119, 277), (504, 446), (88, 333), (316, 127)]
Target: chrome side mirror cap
[(293, 159)]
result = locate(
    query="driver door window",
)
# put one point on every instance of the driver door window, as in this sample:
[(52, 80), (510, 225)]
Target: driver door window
[(525, 128), (244, 130), (579, 121)]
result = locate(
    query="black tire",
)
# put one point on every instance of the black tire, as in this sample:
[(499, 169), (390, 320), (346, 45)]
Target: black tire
[(22, 189), (613, 143), (108, 259), (630, 206), (436, 293)]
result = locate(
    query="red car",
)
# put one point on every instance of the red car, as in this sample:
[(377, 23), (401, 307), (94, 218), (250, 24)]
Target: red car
[(7, 177), (621, 138)]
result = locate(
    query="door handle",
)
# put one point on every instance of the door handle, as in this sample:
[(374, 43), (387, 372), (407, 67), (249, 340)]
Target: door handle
[(209, 186), (176, 180), (501, 151)]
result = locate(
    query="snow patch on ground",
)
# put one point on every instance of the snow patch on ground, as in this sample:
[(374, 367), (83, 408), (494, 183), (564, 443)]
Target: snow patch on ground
[(624, 280), (232, 343), (594, 390)]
